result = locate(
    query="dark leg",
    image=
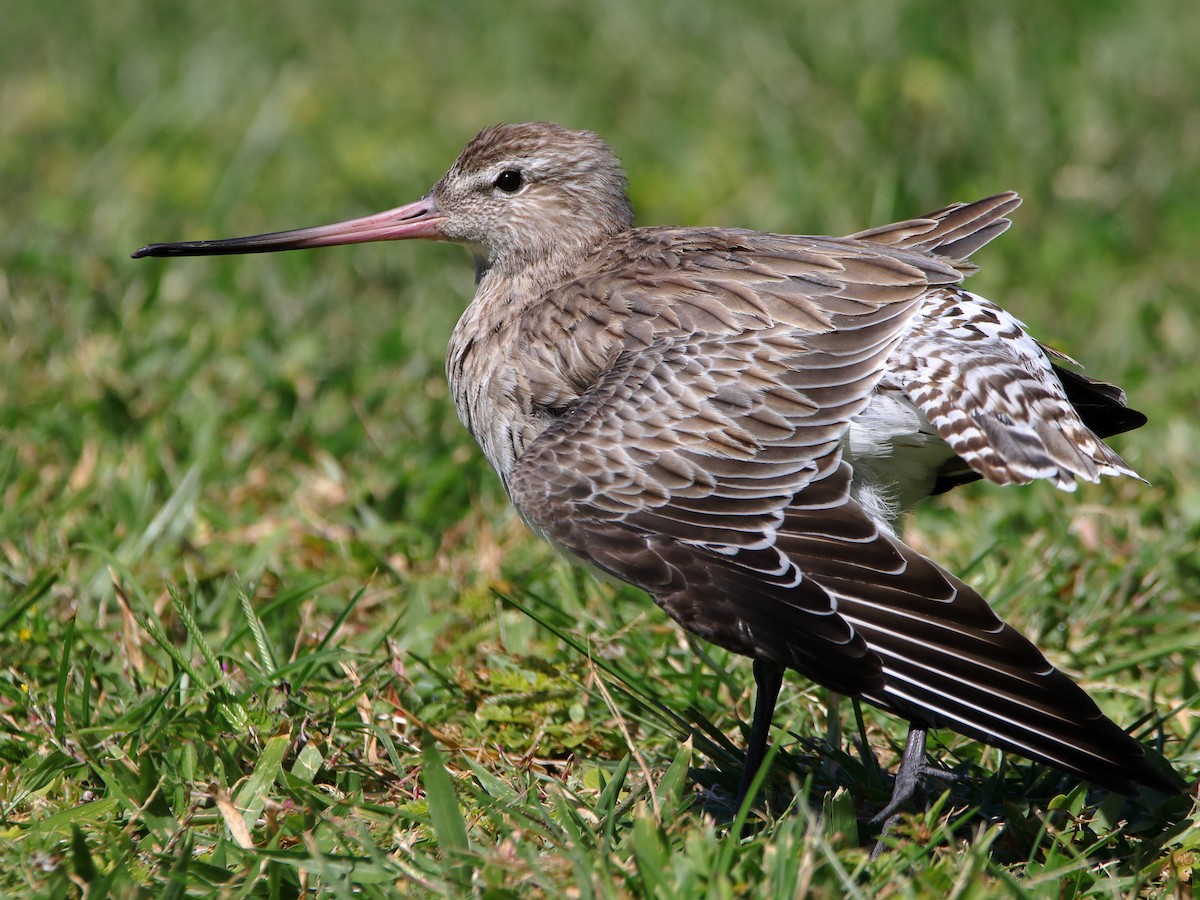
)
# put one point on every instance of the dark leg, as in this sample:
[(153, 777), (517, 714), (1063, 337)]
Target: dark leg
[(912, 769), (908, 776), (768, 678)]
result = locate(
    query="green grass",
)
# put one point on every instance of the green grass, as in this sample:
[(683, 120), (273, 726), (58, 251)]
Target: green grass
[(268, 623)]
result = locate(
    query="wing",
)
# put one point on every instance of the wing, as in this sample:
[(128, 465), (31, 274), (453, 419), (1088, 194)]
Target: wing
[(992, 392), (953, 232), (947, 660), (703, 466), (697, 438), (1102, 406), (812, 584), (994, 395)]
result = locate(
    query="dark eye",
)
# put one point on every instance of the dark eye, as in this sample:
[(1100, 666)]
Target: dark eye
[(510, 181)]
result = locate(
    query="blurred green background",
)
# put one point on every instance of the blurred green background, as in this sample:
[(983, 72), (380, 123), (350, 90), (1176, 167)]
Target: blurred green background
[(278, 427)]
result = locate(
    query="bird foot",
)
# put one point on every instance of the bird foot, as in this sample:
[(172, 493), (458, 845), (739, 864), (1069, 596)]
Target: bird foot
[(902, 793), (887, 817), (911, 771)]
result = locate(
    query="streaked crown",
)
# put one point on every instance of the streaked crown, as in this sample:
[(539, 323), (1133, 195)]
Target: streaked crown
[(533, 193)]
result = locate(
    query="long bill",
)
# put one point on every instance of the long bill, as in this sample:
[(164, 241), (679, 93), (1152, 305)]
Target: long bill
[(421, 219)]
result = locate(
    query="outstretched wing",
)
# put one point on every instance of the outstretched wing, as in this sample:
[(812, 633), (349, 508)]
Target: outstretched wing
[(994, 395), (704, 466), (992, 392), (807, 581)]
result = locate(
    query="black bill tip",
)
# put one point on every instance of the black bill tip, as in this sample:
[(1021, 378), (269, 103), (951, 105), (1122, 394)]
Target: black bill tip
[(204, 248)]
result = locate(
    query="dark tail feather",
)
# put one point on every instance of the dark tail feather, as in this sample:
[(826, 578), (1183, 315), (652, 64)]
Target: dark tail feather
[(1100, 405)]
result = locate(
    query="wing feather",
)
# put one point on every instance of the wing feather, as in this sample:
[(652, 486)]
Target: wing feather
[(993, 394)]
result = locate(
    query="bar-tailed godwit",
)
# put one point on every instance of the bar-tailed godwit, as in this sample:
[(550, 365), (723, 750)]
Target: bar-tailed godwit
[(733, 421)]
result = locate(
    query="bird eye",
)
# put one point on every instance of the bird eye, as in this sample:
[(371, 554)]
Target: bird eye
[(510, 181)]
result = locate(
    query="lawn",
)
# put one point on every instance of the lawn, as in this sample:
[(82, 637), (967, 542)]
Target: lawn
[(268, 625)]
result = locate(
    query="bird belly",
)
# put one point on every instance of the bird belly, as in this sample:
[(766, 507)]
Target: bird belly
[(895, 454)]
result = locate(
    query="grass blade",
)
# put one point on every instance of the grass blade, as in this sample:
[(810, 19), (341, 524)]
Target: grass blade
[(252, 795), (444, 811)]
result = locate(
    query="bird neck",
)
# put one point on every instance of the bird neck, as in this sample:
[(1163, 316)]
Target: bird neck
[(523, 278)]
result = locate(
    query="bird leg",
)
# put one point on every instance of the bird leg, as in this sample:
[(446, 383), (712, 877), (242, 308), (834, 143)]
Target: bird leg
[(768, 679), (908, 776), (911, 770)]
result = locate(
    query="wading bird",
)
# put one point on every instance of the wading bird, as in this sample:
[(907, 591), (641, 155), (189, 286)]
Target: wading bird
[(733, 422)]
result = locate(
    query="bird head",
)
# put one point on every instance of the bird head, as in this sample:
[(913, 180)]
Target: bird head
[(517, 194)]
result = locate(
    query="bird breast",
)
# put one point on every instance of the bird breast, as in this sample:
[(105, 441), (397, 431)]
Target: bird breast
[(514, 371)]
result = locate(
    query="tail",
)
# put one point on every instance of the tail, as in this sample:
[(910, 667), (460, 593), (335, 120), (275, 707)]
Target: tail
[(954, 233), (1101, 405)]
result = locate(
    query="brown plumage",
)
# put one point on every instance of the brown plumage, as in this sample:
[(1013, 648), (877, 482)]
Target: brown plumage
[(733, 421)]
